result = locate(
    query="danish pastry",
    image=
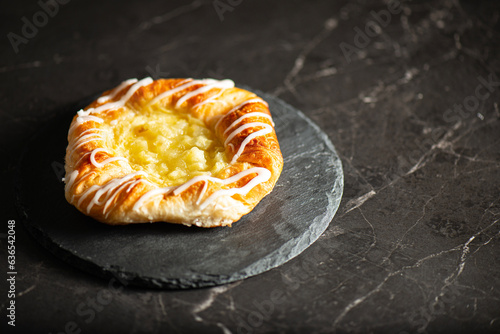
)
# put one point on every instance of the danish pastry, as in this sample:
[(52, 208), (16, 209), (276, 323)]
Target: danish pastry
[(185, 151)]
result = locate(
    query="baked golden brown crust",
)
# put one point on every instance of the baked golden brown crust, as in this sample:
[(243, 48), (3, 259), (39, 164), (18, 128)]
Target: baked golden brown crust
[(109, 189)]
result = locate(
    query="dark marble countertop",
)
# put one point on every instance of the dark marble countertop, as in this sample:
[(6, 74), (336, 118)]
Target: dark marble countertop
[(408, 93)]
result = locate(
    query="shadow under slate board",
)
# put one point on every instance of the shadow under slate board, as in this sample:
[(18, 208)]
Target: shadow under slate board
[(169, 256)]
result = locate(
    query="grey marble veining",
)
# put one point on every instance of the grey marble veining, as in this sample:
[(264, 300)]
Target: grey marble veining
[(411, 107)]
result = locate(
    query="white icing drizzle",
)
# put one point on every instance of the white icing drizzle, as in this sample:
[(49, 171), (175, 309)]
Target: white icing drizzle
[(174, 90), (130, 183), (105, 162), (91, 130), (194, 180), (114, 187), (267, 129), (72, 178), (211, 99), (252, 114), (147, 196), (80, 120), (211, 84), (86, 118), (81, 158), (137, 182), (85, 139), (87, 192), (74, 125), (107, 190), (202, 192), (244, 127), (115, 91), (93, 134), (110, 199), (133, 89), (263, 175), (256, 100), (121, 102)]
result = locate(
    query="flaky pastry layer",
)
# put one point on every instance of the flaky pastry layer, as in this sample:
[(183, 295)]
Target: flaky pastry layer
[(123, 168)]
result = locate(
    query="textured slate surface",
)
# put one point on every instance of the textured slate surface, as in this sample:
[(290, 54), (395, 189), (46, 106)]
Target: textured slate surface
[(414, 245), (158, 255)]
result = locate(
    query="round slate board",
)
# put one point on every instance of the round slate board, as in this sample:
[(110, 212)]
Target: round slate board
[(163, 255)]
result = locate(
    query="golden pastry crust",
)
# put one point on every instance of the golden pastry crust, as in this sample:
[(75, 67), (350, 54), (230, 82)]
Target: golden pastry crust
[(109, 188)]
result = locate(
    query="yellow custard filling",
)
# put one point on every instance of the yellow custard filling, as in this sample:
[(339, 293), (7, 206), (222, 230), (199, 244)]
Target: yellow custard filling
[(171, 147)]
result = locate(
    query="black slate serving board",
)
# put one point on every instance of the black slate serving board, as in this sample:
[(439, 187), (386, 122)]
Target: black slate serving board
[(162, 255)]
